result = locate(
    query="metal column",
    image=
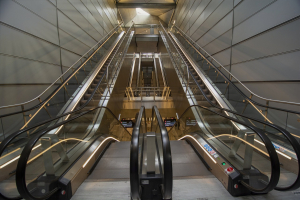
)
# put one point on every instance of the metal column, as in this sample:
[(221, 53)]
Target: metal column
[(132, 70), (139, 69), (162, 71), (155, 70)]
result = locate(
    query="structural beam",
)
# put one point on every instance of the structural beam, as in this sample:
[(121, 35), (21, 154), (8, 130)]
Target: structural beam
[(139, 69), (146, 5), (132, 70), (155, 70), (163, 73)]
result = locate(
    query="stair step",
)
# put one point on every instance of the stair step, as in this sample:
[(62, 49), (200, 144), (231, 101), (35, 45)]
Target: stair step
[(218, 129), (215, 119), (207, 112), (200, 97), (93, 102), (206, 103), (96, 96)]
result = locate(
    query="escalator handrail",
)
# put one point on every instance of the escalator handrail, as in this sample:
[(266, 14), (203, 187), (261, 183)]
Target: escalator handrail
[(167, 156), (275, 172), (252, 93), (21, 166), (12, 136), (59, 78), (287, 134), (22, 163), (134, 155)]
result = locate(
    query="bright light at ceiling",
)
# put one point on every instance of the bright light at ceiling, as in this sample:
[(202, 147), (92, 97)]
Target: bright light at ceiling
[(140, 11)]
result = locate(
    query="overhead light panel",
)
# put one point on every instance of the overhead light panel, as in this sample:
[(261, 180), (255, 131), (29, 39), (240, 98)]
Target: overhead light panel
[(140, 11)]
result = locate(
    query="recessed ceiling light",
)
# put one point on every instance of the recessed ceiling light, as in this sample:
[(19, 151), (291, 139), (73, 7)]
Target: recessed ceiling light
[(140, 11)]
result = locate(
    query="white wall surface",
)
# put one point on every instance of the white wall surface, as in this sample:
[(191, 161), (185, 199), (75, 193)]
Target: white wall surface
[(259, 37), (39, 39)]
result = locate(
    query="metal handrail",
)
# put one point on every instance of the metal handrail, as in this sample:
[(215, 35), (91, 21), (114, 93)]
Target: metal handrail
[(61, 76), (252, 93), (21, 167), (11, 137), (275, 172), (134, 155), (294, 143), (167, 156)]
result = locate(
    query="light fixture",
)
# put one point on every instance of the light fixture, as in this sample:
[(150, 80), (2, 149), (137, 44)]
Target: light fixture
[(140, 11)]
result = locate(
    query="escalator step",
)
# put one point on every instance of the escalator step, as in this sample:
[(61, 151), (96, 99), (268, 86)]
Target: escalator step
[(206, 103), (215, 119), (93, 102), (96, 96), (199, 97)]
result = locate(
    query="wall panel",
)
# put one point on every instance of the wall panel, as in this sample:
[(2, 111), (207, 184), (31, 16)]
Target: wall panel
[(281, 67), (282, 39), (259, 38), (35, 36), (275, 14), (20, 71), (195, 31), (20, 18), (16, 43)]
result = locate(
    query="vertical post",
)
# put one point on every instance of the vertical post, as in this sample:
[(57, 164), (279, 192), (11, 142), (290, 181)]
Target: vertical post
[(266, 113), (139, 69), (132, 70), (162, 71), (248, 152), (155, 70)]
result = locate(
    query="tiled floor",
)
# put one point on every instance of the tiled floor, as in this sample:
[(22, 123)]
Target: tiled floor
[(183, 189), (110, 179)]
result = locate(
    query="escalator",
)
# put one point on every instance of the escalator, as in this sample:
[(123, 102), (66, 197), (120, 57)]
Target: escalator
[(72, 137), (56, 170), (90, 89), (199, 86)]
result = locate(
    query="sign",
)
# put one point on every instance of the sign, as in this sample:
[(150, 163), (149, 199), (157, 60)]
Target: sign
[(190, 122), (169, 122), (127, 123)]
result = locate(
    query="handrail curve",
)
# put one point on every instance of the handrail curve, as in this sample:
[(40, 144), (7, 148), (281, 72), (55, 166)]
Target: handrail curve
[(275, 172), (134, 155), (23, 160), (292, 140), (167, 156), (12, 136)]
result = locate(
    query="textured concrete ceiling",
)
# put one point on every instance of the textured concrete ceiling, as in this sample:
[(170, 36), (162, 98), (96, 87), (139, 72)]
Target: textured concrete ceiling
[(130, 14)]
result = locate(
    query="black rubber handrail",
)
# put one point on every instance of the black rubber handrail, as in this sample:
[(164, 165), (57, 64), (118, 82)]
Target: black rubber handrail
[(56, 89), (21, 167), (12, 136), (292, 140), (167, 156), (240, 91), (275, 174), (22, 163), (134, 155)]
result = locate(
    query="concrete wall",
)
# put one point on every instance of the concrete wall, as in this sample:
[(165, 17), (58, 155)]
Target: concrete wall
[(42, 38), (258, 41)]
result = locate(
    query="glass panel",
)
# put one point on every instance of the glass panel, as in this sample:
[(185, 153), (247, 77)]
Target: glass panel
[(231, 140), (61, 146), (15, 122)]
